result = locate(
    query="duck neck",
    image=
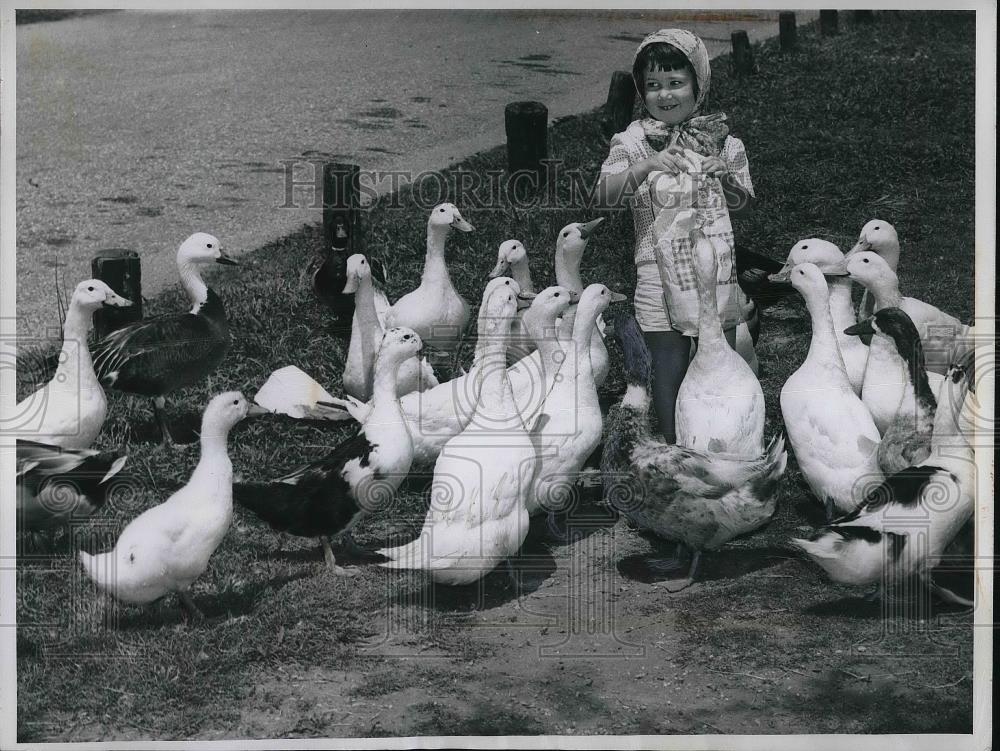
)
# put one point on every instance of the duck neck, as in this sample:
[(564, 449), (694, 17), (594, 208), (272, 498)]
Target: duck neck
[(76, 369), (522, 275), (841, 307), (710, 334), (214, 469), (435, 268), (568, 271), (385, 399), (194, 285), (886, 294), (583, 332), (368, 326), (912, 351), (495, 397), (948, 434), (890, 252), (823, 345)]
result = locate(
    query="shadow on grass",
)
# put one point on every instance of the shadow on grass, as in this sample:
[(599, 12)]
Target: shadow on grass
[(723, 564)]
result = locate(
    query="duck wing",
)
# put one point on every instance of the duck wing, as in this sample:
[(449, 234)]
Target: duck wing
[(903, 489), (161, 354)]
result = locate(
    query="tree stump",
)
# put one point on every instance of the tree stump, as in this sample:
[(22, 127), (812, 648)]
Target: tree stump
[(526, 125)]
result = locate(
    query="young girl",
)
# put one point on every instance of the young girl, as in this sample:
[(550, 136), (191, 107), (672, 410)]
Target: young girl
[(647, 167)]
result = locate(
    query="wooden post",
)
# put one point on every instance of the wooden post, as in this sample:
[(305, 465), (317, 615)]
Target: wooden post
[(120, 269), (526, 124), (620, 104), (862, 16), (742, 53), (787, 31), (828, 23), (341, 198)]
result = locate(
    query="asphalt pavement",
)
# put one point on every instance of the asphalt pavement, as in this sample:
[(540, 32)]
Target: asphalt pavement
[(137, 128)]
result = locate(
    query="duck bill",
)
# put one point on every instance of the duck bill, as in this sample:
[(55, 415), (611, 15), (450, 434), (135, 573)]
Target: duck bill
[(255, 410), (352, 285), (525, 299), (839, 269), (618, 297), (500, 269), (860, 246), (574, 297), (586, 230), (226, 260), (117, 302), (782, 276), (861, 328), (461, 225)]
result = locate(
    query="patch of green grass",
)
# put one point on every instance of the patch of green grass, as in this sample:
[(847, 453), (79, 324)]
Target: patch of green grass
[(844, 130)]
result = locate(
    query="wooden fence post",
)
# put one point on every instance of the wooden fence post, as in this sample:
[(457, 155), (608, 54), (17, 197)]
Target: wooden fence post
[(742, 53), (121, 270), (620, 104), (863, 16), (341, 198), (828, 23), (787, 31), (526, 125)]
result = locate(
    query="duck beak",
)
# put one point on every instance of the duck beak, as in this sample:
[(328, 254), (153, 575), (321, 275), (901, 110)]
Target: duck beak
[(782, 276), (525, 299), (255, 410), (861, 328), (574, 297), (352, 285), (618, 297), (461, 225), (500, 269), (117, 302), (860, 246), (226, 260), (589, 227), (838, 269)]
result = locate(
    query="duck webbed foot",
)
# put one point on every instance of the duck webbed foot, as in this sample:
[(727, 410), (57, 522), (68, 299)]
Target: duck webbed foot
[(331, 562), (948, 596), (675, 562), (188, 606), (676, 585), (159, 410)]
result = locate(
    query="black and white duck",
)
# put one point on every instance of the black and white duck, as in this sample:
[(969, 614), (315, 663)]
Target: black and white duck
[(328, 497), (162, 354), (698, 499)]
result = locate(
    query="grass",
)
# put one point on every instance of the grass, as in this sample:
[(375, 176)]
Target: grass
[(846, 129)]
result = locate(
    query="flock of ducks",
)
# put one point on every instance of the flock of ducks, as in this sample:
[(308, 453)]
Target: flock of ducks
[(876, 427)]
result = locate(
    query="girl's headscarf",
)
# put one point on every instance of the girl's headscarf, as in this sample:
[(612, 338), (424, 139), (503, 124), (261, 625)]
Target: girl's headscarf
[(702, 133)]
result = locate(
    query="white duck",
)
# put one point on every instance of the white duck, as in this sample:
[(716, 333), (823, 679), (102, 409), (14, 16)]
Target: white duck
[(167, 547), (827, 257), (477, 516), (366, 338), (720, 404), (436, 415), (435, 310), (573, 429), (945, 338), (831, 431), (512, 261), (570, 245), (885, 391), (879, 237), (909, 520), (69, 410)]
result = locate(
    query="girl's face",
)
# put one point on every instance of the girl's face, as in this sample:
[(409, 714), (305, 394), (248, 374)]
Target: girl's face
[(669, 95)]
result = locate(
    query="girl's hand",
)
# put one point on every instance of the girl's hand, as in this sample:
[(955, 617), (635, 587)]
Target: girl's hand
[(714, 166), (671, 161)]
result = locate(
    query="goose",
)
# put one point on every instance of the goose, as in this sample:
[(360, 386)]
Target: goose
[(56, 485), (832, 433), (366, 336), (477, 516), (434, 310), (720, 404), (907, 438), (696, 498), (167, 547), (328, 497), (827, 257), (158, 355), (438, 414), (879, 237), (574, 422), (904, 525), (512, 261), (70, 409), (945, 338), (570, 245)]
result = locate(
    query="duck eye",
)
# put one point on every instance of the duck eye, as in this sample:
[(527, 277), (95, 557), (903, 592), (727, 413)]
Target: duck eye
[(557, 294), (210, 245), (565, 234), (90, 289), (877, 228), (236, 401), (441, 210), (865, 260)]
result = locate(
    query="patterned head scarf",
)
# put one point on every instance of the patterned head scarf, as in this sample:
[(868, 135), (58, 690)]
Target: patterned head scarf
[(702, 133)]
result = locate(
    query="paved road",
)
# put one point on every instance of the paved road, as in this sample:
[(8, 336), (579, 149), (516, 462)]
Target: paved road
[(136, 128)]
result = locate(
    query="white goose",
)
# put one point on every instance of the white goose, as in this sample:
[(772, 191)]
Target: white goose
[(512, 261), (879, 237), (167, 547), (887, 390), (570, 245), (831, 431), (827, 257), (573, 429), (435, 310), (720, 404), (909, 520), (477, 516), (366, 338), (69, 410)]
